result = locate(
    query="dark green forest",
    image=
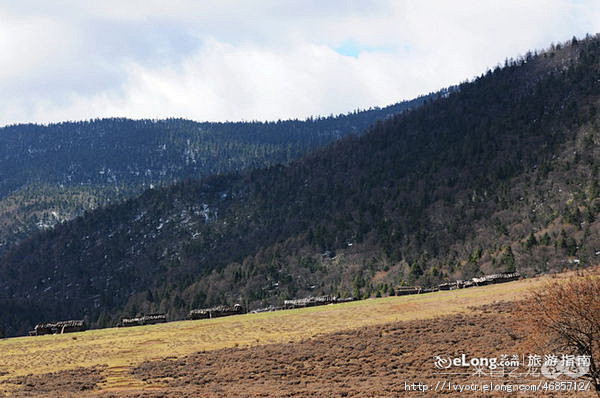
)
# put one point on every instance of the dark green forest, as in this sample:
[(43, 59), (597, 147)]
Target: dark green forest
[(51, 174), (500, 174)]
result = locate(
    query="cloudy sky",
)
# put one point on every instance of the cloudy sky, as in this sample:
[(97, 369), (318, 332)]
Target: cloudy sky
[(257, 60)]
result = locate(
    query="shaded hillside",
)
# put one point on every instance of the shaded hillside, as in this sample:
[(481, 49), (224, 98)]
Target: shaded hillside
[(50, 174), (500, 175)]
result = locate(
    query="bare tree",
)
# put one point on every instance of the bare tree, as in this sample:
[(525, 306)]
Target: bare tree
[(566, 314)]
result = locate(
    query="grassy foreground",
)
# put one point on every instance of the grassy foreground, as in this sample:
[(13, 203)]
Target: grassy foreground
[(121, 349)]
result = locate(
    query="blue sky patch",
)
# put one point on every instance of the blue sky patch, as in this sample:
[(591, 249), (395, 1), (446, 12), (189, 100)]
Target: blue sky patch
[(351, 48)]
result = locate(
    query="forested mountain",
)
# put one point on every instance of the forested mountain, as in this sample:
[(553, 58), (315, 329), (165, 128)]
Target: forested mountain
[(502, 174), (50, 174)]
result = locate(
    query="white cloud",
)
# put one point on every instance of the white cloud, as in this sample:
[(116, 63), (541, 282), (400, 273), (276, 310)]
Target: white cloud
[(232, 60)]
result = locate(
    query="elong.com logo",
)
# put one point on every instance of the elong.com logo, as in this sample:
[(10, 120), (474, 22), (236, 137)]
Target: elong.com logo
[(551, 366), (446, 362)]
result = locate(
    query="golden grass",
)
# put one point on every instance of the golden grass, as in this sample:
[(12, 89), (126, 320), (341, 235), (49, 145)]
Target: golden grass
[(123, 348)]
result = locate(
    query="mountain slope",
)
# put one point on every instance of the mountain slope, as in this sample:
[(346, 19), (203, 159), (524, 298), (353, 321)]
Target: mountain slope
[(50, 174), (501, 174)]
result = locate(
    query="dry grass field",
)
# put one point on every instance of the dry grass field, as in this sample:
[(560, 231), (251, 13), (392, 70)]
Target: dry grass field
[(111, 358)]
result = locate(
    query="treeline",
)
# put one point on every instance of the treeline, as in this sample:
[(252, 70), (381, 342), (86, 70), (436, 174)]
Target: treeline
[(141, 152)]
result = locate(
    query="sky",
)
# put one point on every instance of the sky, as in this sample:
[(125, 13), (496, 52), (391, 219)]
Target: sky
[(223, 60)]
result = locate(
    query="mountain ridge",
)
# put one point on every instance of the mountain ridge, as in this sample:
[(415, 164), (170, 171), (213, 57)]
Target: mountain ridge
[(51, 173)]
